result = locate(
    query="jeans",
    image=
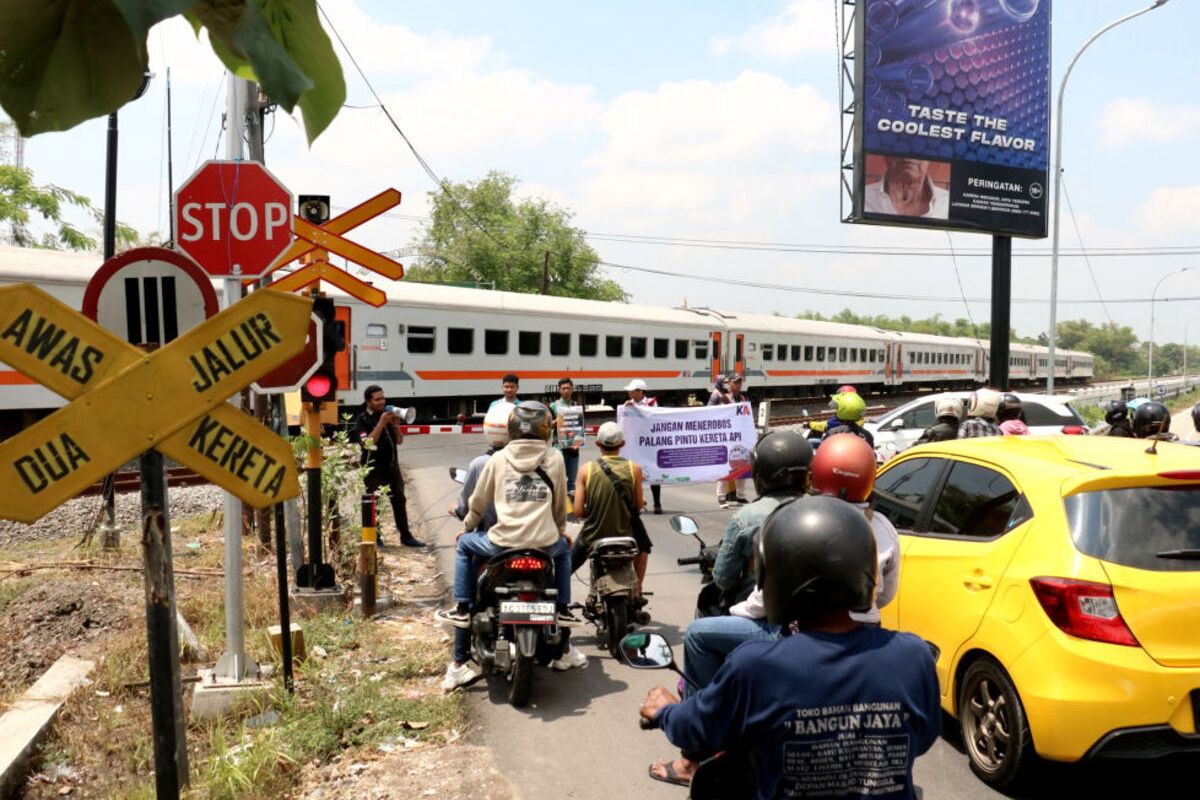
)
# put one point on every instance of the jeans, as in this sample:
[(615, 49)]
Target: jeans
[(709, 640), (571, 462), (477, 546)]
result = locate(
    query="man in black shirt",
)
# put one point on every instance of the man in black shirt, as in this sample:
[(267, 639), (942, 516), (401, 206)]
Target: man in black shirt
[(378, 432)]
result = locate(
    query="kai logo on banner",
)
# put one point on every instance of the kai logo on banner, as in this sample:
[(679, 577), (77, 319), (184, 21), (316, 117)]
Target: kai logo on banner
[(125, 401)]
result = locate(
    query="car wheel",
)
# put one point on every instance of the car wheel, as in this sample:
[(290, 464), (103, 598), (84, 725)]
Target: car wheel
[(995, 730)]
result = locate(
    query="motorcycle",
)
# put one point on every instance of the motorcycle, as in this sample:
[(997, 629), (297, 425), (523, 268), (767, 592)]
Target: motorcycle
[(610, 600), (728, 775), (514, 620), (711, 601)]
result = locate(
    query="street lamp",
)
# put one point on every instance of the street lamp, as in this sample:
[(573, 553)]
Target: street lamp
[(1150, 370), (1058, 122), (1187, 325)]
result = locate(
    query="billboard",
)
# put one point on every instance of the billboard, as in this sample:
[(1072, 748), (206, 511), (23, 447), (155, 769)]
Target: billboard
[(952, 114)]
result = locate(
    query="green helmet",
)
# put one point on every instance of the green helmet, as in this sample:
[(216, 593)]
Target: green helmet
[(850, 406)]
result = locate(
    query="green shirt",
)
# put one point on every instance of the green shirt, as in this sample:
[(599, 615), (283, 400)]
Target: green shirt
[(607, 514)]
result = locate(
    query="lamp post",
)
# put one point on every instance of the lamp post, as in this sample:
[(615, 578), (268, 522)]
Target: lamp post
[(1058, 125), (1186, 325), (1150, 370)]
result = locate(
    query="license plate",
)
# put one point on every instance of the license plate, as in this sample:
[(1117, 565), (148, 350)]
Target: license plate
[(535, 613)]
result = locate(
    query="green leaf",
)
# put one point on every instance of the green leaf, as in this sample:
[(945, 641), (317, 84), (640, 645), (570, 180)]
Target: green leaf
[(142, 15), (297, 27), (65, 61)]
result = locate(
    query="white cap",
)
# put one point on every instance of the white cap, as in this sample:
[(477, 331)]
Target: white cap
[(636, 383), (610, 435)]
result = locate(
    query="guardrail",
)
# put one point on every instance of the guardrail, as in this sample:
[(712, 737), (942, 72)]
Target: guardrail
[(1163, 388)]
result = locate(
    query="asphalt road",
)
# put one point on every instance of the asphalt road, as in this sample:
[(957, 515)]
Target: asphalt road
[(580, 739)]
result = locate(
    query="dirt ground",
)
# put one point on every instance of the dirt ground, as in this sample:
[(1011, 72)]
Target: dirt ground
[(451, 772)]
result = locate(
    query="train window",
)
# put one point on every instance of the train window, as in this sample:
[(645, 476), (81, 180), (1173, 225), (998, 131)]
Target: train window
[(768, 352), (821, 353), (460, 341), (529, 343), (842, 354), (716, 348), (420, 339), (376, 331), (637, 346), (853, 355), (614, 346), (795, 352), (589, 344), (882, 357), (808, 352), (739, 355), (781, 352), (661, 347), (560, 344), (700, 348), (681, 348), (495, 343), (862, 354)]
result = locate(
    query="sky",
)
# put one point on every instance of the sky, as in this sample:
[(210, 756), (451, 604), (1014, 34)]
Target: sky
[(697, 119)]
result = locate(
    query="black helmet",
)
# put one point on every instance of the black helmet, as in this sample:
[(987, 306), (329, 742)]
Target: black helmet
[(816, 555), (1010, 407), (1151, 418), (1115, 411), (529, 420), (1196, 416), (779, 463)]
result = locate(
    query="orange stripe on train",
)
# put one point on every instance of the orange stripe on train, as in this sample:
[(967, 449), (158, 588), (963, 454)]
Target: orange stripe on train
[(495, 375)]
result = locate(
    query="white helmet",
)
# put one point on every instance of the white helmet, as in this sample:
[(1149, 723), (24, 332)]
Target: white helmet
[(984, 403), (948, 406), (495, 423)]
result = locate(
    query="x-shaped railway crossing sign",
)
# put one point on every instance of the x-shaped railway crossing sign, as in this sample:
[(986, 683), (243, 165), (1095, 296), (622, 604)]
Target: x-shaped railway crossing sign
[(125, 401), (318, 241)]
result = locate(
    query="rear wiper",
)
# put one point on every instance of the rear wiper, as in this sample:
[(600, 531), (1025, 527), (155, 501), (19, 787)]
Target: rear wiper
[(1189, 554)]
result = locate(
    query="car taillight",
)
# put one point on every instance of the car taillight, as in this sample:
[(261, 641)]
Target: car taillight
[(1074, 430), (1181, 474), (1084, 609), (525, 564)]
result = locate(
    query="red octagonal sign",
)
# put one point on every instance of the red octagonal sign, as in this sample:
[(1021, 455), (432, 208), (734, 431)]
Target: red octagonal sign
[(234, 218)]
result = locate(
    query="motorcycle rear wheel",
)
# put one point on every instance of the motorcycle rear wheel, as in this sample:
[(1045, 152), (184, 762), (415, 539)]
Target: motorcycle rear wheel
[(520, 686), (616, 622)]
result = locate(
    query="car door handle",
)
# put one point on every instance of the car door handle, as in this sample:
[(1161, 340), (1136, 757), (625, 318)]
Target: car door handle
[(977, 581)]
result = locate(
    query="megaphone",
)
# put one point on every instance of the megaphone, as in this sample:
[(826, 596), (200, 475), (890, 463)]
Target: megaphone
[(406, 415)]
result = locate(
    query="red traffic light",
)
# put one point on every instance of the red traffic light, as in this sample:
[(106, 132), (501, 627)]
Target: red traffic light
[(318, 386)]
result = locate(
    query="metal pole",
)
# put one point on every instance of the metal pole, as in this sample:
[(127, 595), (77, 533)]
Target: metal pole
[(1001, 301), (281, 566), (162, 637), (1186, 325), (1058, 125), (170, 164), (1153, 295), (367, 556), (110, 537)]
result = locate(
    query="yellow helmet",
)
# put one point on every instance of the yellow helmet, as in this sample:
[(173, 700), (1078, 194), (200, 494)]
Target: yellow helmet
[(850, 406)]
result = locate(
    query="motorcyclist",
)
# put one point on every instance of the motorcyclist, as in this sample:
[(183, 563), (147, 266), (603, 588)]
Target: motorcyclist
[(948, 410), (981, 415), (1116, 414), (1011, 416), (495, 430), (527, 483), (1195, 438), (850, 408), (1153, 419), (831, 686)]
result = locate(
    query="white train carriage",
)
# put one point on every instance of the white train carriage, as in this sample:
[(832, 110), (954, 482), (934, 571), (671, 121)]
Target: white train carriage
[(942, 362)]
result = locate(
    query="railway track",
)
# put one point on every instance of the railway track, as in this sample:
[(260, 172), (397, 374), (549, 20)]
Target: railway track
[(130, 480)]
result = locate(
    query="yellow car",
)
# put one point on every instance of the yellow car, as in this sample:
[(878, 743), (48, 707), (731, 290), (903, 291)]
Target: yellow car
[(1058, 579)]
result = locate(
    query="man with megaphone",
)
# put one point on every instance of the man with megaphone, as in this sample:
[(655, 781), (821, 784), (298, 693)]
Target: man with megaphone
[(377, 427)]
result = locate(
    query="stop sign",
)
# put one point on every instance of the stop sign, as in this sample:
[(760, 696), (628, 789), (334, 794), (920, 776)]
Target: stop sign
[(234, 218)]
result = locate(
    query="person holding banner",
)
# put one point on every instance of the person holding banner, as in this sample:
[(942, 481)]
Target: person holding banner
[(568, 429), (729, 492), (637, 397)]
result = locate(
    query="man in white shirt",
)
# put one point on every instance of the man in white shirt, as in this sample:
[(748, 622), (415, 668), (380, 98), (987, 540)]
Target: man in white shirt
[(906, 190)]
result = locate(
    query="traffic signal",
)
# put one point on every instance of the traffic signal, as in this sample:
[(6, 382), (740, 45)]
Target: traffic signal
[(322, 385)]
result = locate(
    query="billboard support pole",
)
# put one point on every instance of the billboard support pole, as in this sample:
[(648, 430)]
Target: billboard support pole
[(1001, 306)]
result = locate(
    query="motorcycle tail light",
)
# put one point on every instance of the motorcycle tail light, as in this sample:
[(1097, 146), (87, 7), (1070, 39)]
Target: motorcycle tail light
[(527, 597), (526, 564)]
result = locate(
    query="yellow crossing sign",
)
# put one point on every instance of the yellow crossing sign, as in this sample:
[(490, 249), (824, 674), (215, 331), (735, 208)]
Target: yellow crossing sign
[(125, 401)]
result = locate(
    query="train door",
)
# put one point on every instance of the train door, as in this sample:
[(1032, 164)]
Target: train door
[(341, 362), (739, 353), (898, 369), (715, 355)]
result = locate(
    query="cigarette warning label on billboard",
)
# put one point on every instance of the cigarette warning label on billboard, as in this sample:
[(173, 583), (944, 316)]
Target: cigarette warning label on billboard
[(953, 114)]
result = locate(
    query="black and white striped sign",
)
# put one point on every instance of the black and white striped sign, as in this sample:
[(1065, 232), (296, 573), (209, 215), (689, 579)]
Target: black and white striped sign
[(150, 295)]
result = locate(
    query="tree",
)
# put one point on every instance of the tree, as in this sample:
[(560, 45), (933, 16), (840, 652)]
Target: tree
[(67, 61), (21, 199), (1115, 346), (478, 234)]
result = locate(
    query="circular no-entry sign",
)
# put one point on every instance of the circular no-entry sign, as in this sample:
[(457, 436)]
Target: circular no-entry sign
[(149, 295)]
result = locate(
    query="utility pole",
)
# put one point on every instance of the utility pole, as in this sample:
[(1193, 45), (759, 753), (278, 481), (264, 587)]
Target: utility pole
[(546, 273)]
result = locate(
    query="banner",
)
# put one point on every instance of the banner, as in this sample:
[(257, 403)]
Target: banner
[(689, 445), (568, 426), (952, 114)]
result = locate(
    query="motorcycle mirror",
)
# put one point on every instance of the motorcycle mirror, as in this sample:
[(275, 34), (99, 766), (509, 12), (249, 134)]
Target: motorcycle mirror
[(458, 474), (685, 525), (646, 651)]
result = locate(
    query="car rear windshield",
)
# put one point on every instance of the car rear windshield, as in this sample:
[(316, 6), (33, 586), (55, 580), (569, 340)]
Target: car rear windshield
[(1039, 415), (1152, 528)]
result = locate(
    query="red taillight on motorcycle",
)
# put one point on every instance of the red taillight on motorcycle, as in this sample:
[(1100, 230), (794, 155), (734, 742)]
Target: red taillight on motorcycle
[(1074, 430), (1083, 609), (527, 597), (526, 564)]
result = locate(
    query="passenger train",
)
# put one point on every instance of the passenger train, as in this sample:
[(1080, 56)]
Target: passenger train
[(444, 349)]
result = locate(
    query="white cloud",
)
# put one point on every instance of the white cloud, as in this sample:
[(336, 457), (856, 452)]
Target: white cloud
[(1140, 120), (1171, 210), (802, 27)]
